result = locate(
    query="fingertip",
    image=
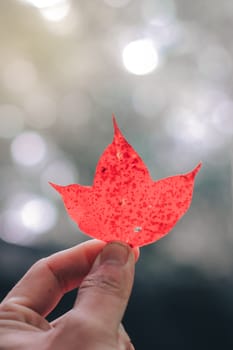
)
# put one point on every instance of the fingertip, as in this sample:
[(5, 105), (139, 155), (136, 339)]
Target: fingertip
[(135, 250)]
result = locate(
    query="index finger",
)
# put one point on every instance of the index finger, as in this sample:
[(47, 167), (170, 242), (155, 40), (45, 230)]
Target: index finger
[(50, 278)]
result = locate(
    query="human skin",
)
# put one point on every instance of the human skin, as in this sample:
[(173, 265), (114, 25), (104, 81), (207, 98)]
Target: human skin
[(104, 274)]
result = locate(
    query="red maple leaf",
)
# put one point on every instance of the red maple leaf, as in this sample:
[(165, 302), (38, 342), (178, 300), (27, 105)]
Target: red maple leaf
[(124, 203)]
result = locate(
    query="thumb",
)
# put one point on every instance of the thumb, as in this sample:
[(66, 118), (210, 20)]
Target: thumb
[(104, 293)]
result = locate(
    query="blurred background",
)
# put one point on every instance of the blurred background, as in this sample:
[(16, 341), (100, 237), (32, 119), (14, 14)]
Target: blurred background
[(165, 68)]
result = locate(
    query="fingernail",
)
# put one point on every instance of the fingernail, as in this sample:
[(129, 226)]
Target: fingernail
[(115, 253)]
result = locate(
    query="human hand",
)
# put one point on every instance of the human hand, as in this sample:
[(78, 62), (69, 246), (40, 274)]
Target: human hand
[(104, 275)]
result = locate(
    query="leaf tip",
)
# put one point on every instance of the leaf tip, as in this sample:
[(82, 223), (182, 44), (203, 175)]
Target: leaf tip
[(116, 128), (194, 172), (198, 167), (56, 187)]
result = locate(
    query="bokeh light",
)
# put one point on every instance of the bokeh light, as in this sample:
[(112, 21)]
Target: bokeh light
[(26, 217), (51, 10), (28, 149), (41, 4), (56, 13), (140, 57), (38, 215), (12, 228)]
